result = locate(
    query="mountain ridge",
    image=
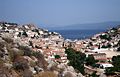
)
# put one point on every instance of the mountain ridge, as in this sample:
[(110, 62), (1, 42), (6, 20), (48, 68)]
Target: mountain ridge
[(100, 25)]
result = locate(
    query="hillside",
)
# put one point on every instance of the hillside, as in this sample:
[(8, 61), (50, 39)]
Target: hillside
[(29, 51)]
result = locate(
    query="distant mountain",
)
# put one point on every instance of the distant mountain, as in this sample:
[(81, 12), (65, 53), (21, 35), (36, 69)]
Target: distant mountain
[(102, 25)]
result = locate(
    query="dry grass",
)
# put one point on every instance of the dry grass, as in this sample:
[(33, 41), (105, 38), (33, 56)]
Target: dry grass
[(46, 74)]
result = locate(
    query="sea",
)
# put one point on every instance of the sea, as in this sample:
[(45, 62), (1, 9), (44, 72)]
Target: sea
[(78, 34)]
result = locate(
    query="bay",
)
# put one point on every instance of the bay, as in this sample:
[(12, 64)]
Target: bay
[(78, 34)]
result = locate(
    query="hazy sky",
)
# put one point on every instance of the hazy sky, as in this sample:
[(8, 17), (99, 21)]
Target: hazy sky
[(59, 12)]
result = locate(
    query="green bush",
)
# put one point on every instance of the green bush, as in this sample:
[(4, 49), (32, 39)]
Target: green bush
[(106, 37), (90, 60), (57, 57), (76, 59)]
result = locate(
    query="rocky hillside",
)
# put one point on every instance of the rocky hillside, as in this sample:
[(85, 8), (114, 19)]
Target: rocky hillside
[(108, 39), (28, 51)]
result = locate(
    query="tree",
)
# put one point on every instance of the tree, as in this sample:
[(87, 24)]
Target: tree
[(31, 43), (118, 49), (106, 37), (76, 59), (116, 65), (25, 34), (118, 44), (109, 70), (90, 60), (19, 35), (57, 57)]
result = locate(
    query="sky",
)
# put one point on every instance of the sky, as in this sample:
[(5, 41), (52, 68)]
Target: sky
[(59, 12)]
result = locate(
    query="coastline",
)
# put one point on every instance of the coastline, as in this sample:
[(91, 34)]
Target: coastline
[(78, 34)]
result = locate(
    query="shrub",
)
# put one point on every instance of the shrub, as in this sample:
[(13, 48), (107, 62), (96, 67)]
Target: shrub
[(25, 34), (57, 57), (90, 60), (76, 59), (8, 40), (12, 55), (118, 49), (32, 64), (19, 35), (20, 64), (41, 61), (106, 37), (1, 45), (27, 51), (109, 71)]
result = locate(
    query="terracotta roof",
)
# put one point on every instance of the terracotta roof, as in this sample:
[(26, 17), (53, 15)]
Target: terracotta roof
[(97, 54)]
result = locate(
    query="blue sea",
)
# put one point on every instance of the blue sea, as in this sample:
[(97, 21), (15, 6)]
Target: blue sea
[(78, 34)]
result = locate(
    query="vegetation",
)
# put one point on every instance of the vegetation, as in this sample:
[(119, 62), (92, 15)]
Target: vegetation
[(25, 34), (19, 35), (36, 30), (116, 64), (57, 57), (30, 43), (8, 40), (110, 71), (106, 37), (41, 61), (90, 60), (118, 49), (27, 51), (76, 59), (20, 64)]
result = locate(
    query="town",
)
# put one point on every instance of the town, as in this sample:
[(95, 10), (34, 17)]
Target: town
[(29, 51)]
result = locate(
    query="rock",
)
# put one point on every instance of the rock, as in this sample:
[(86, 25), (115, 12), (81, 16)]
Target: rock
[(69, 74), (56, 72), (33, 70), (70, 68), (1, 40), (15, 49), (61, 66), (38, 69), (27, 73), (102, 75), (9, 66), (51, 64), (79, 75)]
